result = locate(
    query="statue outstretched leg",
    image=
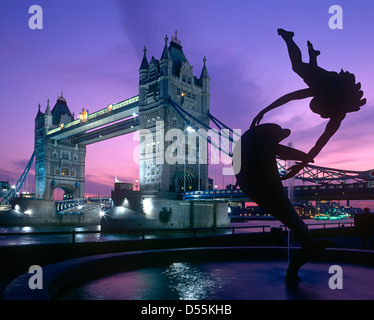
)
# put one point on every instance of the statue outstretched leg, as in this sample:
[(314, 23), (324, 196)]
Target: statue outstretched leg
[(313, 54)]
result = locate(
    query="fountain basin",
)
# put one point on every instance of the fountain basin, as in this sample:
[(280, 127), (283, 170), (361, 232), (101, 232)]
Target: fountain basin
[(200, 273)]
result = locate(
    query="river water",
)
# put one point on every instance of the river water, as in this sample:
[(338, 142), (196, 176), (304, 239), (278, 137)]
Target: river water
[(250, 226)]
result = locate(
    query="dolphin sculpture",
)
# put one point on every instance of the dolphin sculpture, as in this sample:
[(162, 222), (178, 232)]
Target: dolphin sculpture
[(256, 171)]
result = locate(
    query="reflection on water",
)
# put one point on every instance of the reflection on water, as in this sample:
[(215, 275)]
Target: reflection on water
[(27, 229), (178, 281), (232, 280), (189, 282)]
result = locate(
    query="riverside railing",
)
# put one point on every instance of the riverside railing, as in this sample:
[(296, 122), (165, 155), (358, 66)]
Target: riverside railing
[(339, 224)]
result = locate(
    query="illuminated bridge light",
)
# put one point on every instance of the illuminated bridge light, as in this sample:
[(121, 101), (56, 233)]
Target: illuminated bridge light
[(147, 206)]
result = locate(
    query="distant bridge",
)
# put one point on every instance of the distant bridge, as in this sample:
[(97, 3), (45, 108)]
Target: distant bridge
[(353, 191)]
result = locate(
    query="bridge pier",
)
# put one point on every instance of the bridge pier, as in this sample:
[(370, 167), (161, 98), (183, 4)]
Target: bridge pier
[(147, 210)]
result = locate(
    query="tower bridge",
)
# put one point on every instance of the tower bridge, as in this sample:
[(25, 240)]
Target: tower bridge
[(169, 92), (61, 140)]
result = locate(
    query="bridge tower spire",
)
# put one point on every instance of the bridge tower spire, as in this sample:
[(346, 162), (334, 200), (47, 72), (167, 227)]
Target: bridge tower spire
[(48, 116), (143, 67), (205, 84)]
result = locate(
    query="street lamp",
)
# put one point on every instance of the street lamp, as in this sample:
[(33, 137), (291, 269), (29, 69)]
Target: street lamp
[(198, 157), (184, 170), (184, 175)]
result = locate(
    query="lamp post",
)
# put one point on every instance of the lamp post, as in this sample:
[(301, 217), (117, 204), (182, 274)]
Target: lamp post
[(199, 171), (184, 173)]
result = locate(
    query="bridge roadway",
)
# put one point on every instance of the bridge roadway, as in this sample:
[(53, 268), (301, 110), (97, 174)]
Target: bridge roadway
[(81, 204), (114, 120)]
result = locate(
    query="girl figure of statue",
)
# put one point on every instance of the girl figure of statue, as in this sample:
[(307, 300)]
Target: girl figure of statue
[(334, 95)]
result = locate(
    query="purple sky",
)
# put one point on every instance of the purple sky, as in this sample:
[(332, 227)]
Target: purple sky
[(92, 49)]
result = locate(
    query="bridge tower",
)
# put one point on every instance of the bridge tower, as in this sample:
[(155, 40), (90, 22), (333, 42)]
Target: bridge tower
[(58, 164), (171, 76)]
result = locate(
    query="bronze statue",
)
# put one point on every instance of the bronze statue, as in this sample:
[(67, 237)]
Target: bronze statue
[(254, 157), (256, 170), (334, 95)]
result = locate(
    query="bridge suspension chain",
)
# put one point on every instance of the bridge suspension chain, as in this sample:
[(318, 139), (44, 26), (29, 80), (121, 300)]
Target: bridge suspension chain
[(13, 191), (310, 173), (223, 134)]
